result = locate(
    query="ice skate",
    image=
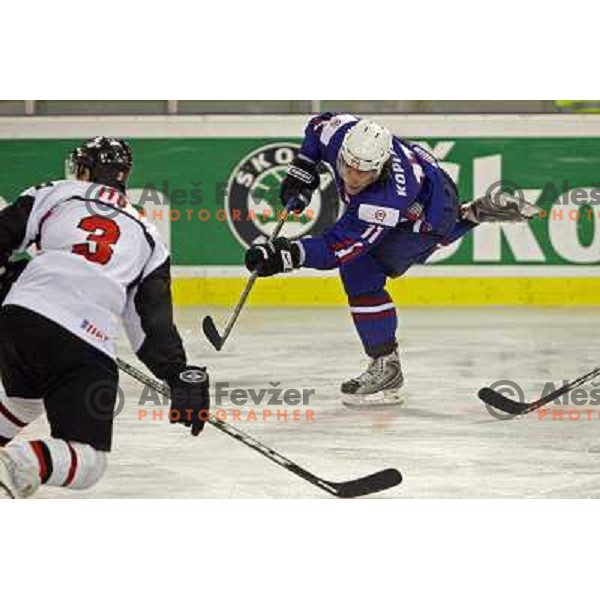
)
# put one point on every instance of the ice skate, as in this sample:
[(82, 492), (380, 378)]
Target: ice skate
[(8, 486), (379, 385), (500, 207), (16, 482)]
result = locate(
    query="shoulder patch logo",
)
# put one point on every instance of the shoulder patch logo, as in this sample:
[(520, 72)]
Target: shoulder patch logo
[(380, 215), (370, 213)]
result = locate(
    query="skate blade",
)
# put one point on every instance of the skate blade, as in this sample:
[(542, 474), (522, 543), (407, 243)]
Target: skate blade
[(6, 491), (378, 400)]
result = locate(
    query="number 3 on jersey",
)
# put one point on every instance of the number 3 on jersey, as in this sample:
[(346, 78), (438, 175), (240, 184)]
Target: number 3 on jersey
[(104, 233)]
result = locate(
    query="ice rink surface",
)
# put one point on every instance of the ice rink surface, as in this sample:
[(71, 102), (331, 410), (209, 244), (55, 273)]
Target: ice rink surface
[(443, 440)]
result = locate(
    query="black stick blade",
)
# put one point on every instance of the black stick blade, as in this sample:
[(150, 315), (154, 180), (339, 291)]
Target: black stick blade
[(496, 400), (377, 482), (211, 333)]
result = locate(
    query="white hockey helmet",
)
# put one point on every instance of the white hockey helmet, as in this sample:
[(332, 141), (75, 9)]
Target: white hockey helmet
[(367, 146)]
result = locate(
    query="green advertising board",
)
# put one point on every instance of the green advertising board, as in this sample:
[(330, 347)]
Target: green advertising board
[(196, 184)]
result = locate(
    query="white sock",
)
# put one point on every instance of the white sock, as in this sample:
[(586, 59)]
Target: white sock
[(59, 463), (16, 413)]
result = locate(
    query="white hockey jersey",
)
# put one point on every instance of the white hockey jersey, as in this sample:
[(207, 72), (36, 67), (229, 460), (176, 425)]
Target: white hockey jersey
[(97, 262)]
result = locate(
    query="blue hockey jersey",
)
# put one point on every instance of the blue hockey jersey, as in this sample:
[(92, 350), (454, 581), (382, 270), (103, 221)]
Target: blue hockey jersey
[(404, 198)]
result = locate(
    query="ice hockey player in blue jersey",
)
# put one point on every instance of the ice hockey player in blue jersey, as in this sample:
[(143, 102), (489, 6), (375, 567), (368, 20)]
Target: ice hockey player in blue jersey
[(400, 207)]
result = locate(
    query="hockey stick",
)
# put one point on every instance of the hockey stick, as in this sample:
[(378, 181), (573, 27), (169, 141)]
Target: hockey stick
[(496, 400), (376, 482), (208, 324)]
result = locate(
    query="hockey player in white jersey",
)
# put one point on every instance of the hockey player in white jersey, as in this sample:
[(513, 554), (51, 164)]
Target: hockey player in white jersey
[(98, 262)]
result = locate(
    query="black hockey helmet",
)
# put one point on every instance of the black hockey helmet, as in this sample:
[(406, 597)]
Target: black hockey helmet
[(105, 158)]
